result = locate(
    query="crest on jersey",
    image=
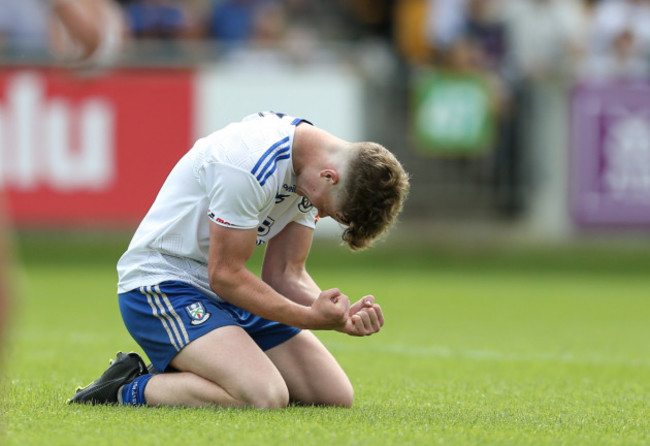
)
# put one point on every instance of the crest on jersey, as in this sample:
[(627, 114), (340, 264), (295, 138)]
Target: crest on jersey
[(305, 205), (265, 227), (197, 313)]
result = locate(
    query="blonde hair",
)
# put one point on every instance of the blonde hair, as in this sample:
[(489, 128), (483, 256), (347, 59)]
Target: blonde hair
[(374, 193)]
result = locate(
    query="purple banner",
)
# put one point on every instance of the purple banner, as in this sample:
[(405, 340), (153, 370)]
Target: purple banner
[(610, 155)]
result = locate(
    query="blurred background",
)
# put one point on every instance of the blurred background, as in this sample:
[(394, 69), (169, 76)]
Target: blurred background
[(517, 120)]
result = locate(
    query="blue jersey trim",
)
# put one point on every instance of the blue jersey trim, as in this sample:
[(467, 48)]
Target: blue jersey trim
[(268, 162), (274, 167), (273, 161), (269, 152), (299, 120), (270, 158)]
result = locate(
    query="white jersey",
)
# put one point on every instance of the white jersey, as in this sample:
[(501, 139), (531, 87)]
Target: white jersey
[(240, 177)]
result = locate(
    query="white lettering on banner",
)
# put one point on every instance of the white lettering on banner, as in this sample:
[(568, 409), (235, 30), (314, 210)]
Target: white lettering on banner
[(627, 158), (48, 141)]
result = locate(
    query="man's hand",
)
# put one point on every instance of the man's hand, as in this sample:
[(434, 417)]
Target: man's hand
[(330, 310), (364, 318)]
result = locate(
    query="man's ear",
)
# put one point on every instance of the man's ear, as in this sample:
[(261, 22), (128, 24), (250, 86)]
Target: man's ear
[(330, 175)]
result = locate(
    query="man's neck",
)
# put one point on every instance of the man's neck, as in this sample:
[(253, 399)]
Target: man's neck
[(315, 148)]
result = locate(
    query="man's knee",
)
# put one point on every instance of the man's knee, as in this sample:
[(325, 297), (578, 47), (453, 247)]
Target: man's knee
[(267, 395), (342, 396)]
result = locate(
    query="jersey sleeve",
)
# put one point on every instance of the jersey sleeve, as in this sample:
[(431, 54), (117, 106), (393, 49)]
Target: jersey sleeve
[(235, 199)]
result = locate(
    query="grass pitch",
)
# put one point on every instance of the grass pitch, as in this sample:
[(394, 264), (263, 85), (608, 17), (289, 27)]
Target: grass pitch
[(550, 346)]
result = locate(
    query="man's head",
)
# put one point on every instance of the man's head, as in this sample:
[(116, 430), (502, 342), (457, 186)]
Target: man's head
[(375, 186), (360, 185)]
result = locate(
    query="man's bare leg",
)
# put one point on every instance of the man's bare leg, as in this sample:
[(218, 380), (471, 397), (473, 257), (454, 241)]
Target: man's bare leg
[(311, 373), (224, 368)]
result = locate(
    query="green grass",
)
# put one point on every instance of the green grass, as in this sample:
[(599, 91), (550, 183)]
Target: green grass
[(547, 346)]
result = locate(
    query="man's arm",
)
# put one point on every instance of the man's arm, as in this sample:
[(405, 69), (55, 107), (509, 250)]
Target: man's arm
[(88, 31), (284, 264), (285, 270), (229, 250)]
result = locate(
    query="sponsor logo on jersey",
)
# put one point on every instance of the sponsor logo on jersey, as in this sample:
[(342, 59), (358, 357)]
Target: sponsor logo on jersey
[(305, 205), (219, 220), (290, 189), (279, 198), (197, 313)]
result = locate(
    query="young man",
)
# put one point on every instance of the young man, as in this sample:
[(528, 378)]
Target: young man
[(221, 335)]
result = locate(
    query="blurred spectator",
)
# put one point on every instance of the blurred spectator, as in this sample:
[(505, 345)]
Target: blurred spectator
[(307, 23), (469, 36), (270, 24), (484, 27), (619, 40), (368, 19), (478, 46), (269, 32), (89, 33), (23, 26), (623, 59), (467, 23), (542, 36), (161, 19), (446, 20), (410, 31), (613, 17), (315, 15), (234, 21), (75, 31)]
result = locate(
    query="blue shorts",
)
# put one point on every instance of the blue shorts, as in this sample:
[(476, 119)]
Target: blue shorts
[(166, 317)]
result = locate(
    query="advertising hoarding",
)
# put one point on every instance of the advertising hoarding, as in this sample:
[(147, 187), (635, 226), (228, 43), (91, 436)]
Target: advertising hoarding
[(610, 155), (90, 151)]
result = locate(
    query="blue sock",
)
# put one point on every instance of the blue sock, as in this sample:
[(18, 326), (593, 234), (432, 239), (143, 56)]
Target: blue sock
[(133, 392)]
